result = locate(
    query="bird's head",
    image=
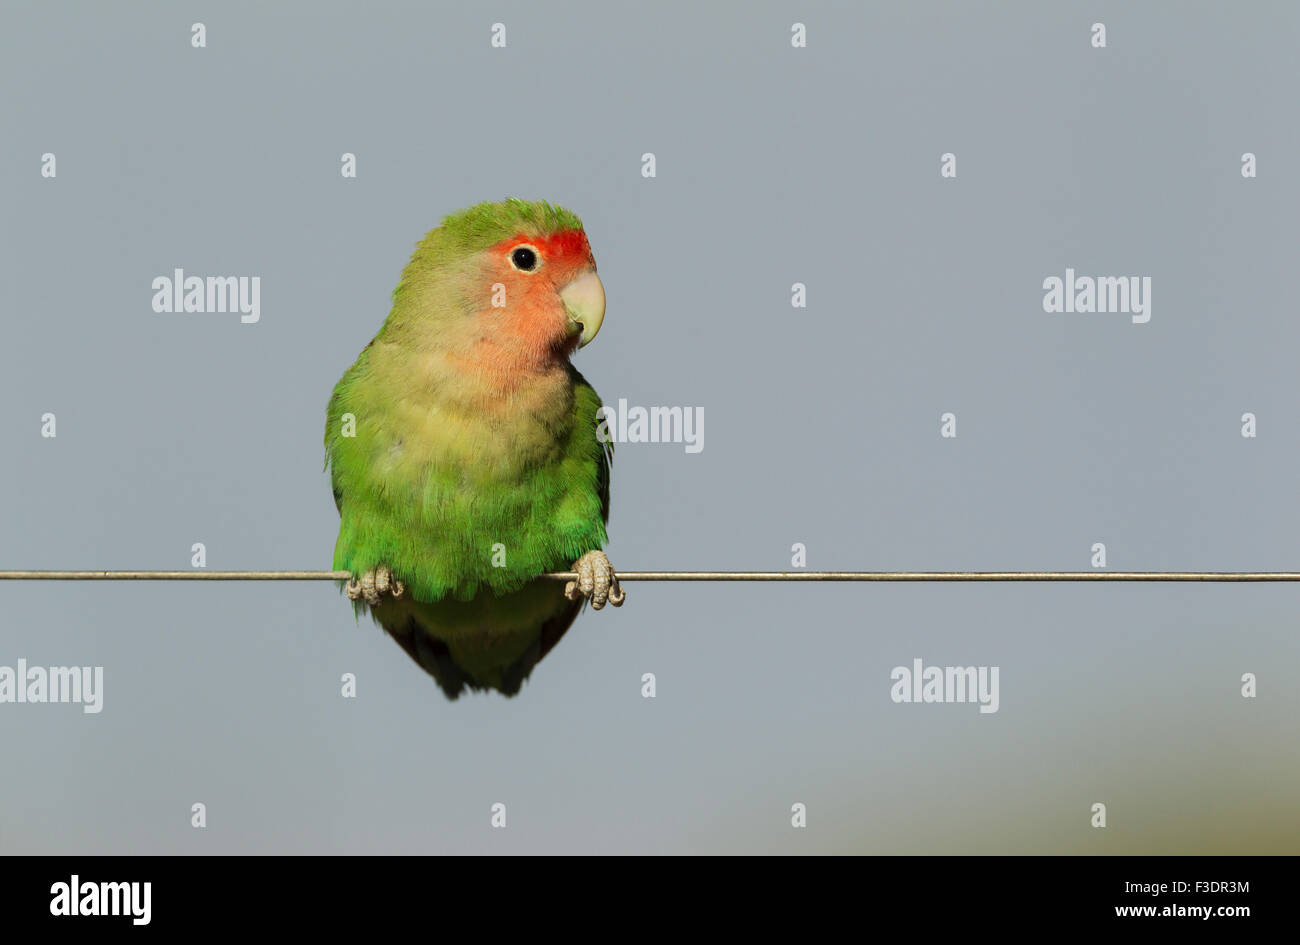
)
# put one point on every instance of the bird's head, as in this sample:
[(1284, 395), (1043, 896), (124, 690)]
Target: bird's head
[(510, 285)]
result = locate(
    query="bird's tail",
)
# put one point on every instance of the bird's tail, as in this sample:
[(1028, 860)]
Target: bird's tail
[(485, 643)]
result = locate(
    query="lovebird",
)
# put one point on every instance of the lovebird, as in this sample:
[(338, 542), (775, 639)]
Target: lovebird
[(464, 454)]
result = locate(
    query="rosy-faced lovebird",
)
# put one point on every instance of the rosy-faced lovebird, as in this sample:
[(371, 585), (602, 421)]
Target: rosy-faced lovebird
[(463, 450)]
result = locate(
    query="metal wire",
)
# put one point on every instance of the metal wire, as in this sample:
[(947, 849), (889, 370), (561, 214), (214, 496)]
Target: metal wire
[(881, 576)]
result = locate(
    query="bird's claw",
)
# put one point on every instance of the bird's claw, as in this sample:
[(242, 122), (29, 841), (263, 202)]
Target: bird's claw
[(596, 581), (373, 585)]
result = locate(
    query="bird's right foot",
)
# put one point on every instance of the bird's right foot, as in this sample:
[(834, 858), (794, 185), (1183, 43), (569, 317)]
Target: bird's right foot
[(373, 585)]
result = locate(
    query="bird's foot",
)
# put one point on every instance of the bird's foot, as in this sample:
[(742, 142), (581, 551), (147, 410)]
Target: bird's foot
[(596, 581), (373, 585)]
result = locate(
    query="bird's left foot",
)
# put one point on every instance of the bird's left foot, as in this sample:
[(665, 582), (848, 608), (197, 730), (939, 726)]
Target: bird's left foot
[(373, 585), (596, 581)]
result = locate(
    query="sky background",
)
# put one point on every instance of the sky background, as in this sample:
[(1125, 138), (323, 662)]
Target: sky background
[(775, 165)]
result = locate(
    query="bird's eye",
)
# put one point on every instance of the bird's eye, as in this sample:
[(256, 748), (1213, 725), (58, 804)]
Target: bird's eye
[(524, 258)]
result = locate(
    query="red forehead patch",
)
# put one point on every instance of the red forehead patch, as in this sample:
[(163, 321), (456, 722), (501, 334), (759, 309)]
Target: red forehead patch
[(568, 244)]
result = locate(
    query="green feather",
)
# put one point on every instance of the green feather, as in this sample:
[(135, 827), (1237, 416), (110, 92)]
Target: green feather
[(487, 224)]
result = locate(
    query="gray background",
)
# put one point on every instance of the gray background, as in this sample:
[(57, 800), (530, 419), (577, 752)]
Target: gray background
[(775, 165)]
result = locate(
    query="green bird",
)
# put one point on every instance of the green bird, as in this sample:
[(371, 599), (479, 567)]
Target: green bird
[(463, 449)]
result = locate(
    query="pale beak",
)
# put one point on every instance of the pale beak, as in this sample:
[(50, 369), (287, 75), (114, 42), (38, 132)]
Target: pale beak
[(584, 300)]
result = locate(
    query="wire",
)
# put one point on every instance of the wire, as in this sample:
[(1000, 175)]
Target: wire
[(174, 575), (879, 576)]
